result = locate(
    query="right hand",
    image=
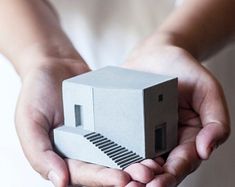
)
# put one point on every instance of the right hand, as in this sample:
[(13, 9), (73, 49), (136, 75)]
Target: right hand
[(203, 115)]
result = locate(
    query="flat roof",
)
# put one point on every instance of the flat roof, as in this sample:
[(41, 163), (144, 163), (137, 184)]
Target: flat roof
[(119, 78)]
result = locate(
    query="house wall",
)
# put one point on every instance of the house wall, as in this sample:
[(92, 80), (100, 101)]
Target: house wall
[(119, 116), (81, 95), (161, 110)]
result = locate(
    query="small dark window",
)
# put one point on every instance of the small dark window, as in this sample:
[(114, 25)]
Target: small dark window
[(160, 138), (78, 115), (160, 97)]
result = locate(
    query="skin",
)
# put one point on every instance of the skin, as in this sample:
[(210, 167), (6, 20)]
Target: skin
[(202, 125), (32, 38)]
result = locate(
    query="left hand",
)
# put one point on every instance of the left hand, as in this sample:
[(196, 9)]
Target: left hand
[(203, 114)]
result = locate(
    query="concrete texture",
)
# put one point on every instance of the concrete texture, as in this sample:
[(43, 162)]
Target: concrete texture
[(135, 110)]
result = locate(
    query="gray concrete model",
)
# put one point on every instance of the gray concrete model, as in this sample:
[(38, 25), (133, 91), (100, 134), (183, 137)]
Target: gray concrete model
[(115, 117)]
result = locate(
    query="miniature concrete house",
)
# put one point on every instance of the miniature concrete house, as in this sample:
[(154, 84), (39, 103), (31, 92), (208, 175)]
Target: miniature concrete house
[(116, 117)]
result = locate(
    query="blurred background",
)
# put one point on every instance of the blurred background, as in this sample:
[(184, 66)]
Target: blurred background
[(15, 171)]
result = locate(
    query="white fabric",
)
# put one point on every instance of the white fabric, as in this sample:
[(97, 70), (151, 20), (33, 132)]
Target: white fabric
[(104, 31)]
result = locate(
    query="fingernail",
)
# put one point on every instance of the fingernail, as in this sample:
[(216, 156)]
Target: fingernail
[(213, 147), (54, 178)]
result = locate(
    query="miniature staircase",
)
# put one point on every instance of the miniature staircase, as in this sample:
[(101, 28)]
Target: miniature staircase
[(120, 155)]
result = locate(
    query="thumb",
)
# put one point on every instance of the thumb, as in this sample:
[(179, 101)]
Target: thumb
[(36, 144), (215, 120), (210, 137), (52, 167)]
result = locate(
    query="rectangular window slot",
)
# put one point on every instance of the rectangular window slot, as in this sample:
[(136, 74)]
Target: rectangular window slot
[(78, 115), (160, 138), (160, 98)]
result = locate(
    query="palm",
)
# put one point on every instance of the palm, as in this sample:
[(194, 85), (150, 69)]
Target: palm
[(197, 107), (185, 154), (39, 111)]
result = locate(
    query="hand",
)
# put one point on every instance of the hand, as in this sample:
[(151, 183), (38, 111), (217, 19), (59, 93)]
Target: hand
[(39, 111), (203, 114), (144, 172)]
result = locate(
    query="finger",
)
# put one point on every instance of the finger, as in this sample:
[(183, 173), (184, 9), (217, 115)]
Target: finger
[(135, 184), (82, 173), (215, 120), (153, 165), (160, 161), (140, 173), (182, 161), (164, 180), (37, 147)]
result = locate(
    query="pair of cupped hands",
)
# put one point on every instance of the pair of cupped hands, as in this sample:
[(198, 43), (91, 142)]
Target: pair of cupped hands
[(203, 120)]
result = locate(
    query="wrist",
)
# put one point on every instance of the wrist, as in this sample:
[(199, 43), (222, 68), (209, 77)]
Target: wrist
[(164, 38), (59, 68), (64, 61)]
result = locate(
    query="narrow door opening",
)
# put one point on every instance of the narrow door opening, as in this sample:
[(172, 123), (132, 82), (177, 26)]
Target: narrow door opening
[(160, 138), (78, 115)]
